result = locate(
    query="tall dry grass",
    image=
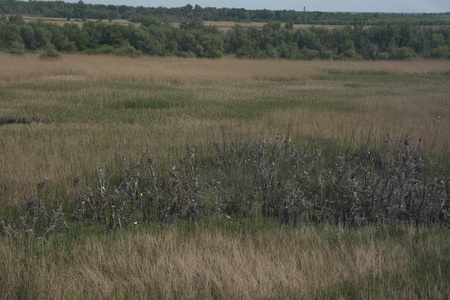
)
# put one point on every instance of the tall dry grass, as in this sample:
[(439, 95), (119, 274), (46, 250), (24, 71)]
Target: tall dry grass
[(81, 113), (171, 69), (231, 260)]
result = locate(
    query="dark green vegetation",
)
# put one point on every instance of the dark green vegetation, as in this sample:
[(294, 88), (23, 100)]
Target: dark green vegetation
[(396, 38), (80, 10), (383, 41), (194, 39)]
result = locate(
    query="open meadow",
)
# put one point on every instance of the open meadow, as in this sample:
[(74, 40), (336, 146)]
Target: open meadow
[(82, 113), (65, 120)]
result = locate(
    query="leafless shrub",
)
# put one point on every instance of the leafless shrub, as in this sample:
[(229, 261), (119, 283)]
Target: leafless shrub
[(362, 186), (142, 192), (34, 220), (152, 194), (317, 183)]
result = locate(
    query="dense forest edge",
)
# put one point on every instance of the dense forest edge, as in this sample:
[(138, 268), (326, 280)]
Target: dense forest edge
[(364, 36)]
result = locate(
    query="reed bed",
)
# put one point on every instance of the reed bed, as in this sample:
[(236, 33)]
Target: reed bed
[(86, 110), (29, 67)]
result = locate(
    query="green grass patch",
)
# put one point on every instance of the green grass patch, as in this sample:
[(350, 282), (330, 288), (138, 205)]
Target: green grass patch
[(57, 86), (278, 79), (246, 109), (357, 72), (143, 103), (353, 85), (371, 78)]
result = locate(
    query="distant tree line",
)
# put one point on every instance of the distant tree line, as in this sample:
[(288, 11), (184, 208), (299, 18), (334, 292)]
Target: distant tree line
[(387, 40), (383, 41), (80, 10)]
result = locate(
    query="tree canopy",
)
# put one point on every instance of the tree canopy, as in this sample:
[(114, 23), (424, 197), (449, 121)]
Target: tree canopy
[(80, 10), (401, 39)]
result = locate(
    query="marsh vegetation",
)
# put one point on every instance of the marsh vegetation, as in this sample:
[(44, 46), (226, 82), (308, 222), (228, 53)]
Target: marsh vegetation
[(195, 175)]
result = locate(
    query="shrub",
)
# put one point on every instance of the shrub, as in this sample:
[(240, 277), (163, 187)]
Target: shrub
[(103, 49), (402, 53), (17, 48), (187, 54), (441, 52), (128, 50), (50, 53)]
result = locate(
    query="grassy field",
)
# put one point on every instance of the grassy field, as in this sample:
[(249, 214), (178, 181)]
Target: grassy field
[(84, 113)]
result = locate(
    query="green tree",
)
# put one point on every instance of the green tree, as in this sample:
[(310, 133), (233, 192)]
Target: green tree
[(441, 52), (349, 49), (76, 36), (28, 37), (235, 39), (212, 45), (289, 25)]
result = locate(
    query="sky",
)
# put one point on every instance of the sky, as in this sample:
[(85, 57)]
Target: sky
[(397, 6)]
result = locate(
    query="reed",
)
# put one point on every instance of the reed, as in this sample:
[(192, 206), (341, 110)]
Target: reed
[(83, 112)]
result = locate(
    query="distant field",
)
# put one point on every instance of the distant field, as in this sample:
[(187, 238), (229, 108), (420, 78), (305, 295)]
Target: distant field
[(79, 22), (223, 25)]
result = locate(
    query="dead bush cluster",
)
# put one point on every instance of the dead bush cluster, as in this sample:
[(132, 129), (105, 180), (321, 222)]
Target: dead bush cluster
[(318, 184), (34, 220), (141, 194), (313, 183)]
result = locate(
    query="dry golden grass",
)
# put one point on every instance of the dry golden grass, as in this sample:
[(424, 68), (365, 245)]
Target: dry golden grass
[(399, 118), (177, 70), (78, 121), (207, 261), (147, 69)]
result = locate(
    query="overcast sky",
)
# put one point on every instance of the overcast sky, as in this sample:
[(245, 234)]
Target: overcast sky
[(405, 6)]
